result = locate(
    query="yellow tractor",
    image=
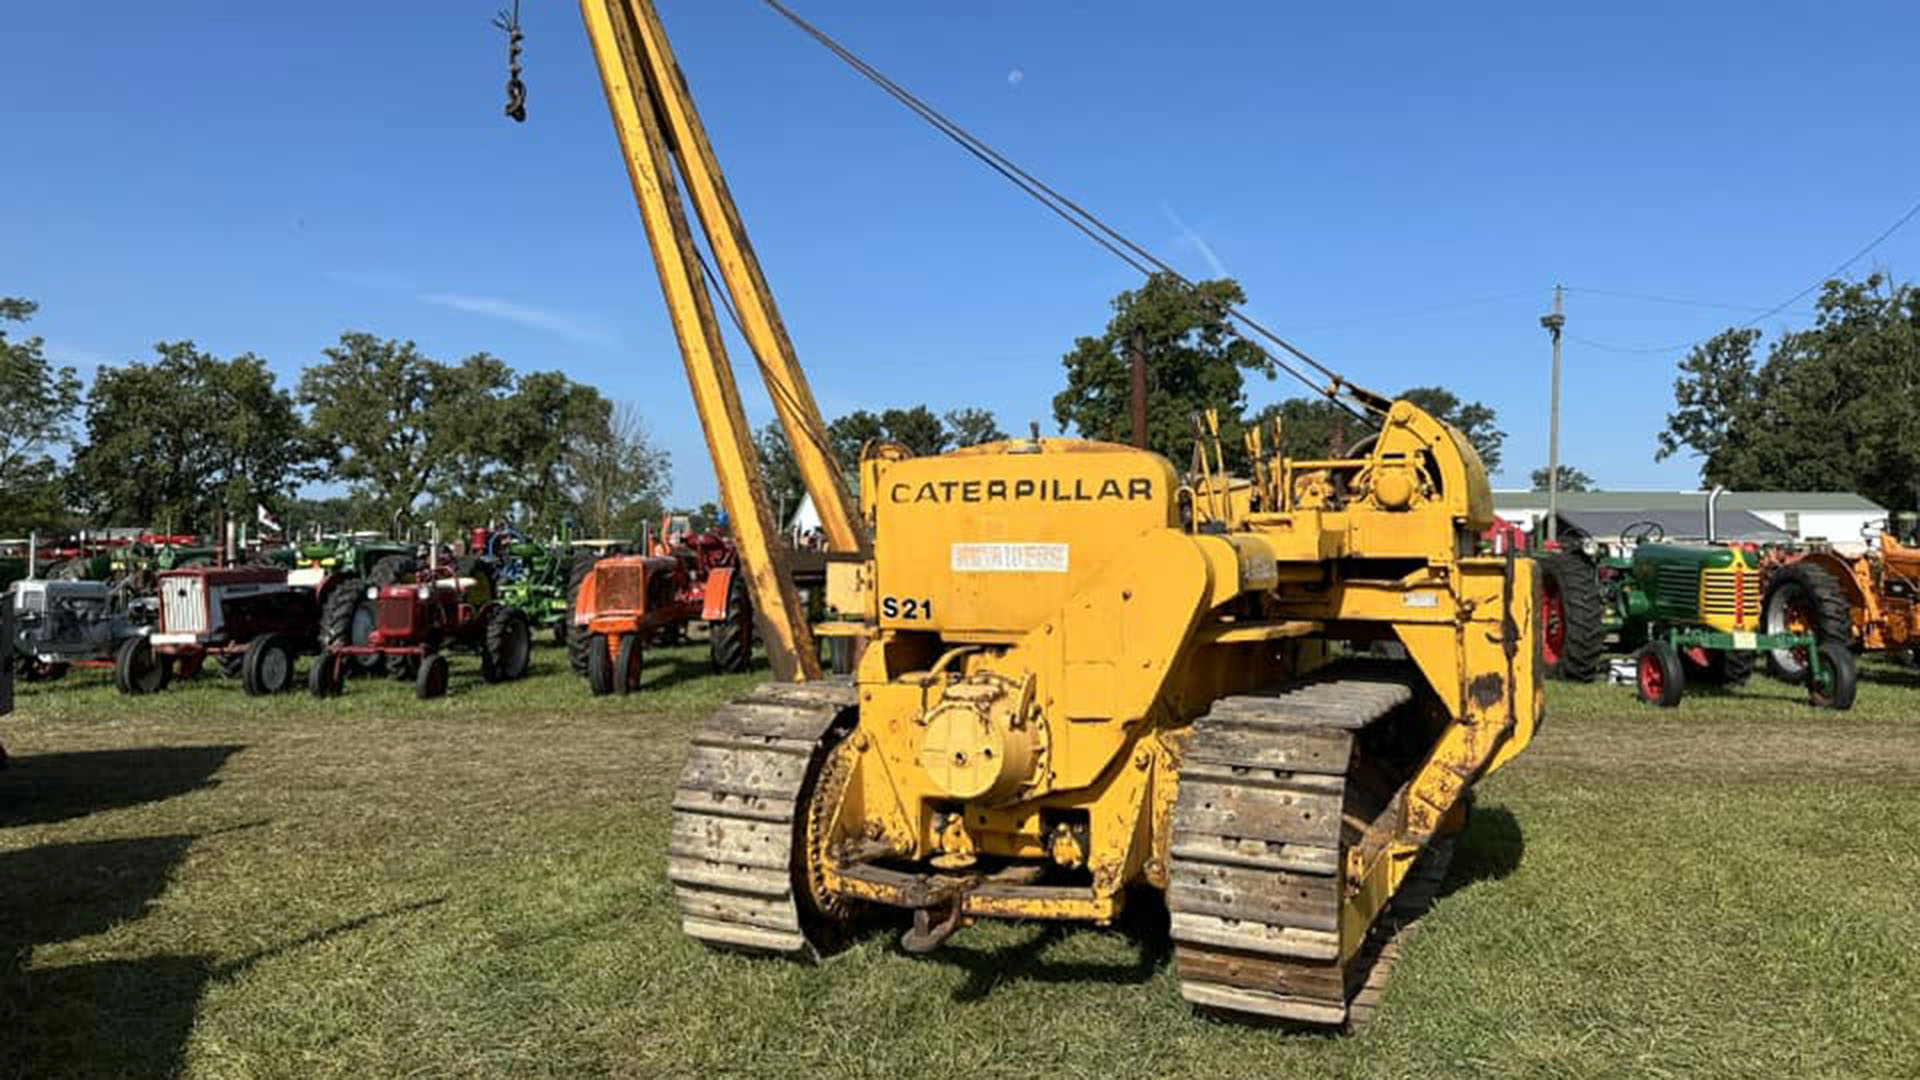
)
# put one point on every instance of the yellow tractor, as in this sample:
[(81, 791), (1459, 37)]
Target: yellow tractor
[(1078, 672)]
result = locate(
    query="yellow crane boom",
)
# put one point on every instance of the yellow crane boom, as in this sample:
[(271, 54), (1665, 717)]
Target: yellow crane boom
[(664, 143)]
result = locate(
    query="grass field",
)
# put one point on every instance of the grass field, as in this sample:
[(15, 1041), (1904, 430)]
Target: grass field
[(213, 885)]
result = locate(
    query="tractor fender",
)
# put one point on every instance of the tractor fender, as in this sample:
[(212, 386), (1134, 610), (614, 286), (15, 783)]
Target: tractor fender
[(713, 603), (1849, 573)]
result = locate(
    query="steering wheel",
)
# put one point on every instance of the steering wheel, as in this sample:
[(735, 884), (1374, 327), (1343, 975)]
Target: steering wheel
[(1642, 532)]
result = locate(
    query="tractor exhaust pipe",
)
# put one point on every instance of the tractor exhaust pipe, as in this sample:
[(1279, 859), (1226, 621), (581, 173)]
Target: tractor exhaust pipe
[(1713, 513), (33, 554)]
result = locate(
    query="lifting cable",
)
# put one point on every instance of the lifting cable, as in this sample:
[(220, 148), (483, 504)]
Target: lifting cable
[(1117, 244)]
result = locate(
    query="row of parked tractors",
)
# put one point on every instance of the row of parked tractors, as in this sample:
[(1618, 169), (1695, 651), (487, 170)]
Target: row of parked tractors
[(1711, 612), (365, 607)]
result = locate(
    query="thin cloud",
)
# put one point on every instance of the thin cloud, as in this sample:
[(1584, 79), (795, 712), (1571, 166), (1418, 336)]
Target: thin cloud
[(585, 332), (1198, 243), (70, 356)]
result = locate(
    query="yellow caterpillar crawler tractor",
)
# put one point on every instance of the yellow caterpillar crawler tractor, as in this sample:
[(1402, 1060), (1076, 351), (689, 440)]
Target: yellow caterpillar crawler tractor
[(1079, 674)]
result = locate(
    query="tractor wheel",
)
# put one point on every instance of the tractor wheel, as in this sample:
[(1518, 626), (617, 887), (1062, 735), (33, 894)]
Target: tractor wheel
[(599, 665), (34, 669), (576, 639), (1803, 598), (1573, 632), (730, 639), (136, 670), (509, 645), (232, 665), (628, 665), (268, 668), (348, 618), (393, 570), (1839, 680), (328, 677), (1716, 667), (432, 681), (1659, 677)]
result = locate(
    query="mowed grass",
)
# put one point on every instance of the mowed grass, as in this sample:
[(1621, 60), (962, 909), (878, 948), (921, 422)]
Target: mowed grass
[(219, 886)]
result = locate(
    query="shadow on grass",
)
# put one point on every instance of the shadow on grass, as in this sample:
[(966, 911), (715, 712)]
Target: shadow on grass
[(1489, 850), (1143, 926), (42, 788), (119, 1017)]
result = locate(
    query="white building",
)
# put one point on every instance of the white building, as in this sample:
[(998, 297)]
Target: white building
[(1830, 516)]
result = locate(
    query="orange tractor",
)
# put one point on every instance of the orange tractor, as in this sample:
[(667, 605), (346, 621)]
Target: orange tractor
[(1870, 600), (622, 602)]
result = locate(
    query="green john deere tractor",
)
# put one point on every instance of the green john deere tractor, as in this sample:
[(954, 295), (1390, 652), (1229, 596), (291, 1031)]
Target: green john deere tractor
[(532, 575), (1689, 612)]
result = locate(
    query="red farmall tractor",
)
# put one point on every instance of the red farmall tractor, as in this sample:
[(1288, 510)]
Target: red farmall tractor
[(417, 625), (249, 619), (622, 602)]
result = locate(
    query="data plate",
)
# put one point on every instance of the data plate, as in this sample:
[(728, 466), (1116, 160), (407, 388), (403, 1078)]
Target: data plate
[(1009, 558)]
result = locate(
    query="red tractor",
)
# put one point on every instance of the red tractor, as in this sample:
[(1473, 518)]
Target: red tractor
[(416, 625), (249, 619), (622, 602)]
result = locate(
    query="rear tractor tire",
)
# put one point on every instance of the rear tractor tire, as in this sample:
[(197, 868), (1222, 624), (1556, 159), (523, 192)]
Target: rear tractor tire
[(508, 649), (348, 618), (577, 636), (730, 638), (1803, 598), (1722, 667), (1573, 632), (1659, 676)]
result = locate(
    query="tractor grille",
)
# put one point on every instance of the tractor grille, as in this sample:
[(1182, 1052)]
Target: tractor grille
[(395, 613), (183, 605), (620, 588), (1730, 597)]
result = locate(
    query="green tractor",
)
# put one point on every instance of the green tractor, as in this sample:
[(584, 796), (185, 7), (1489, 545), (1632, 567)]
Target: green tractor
[(532, 576), (1688, 612)]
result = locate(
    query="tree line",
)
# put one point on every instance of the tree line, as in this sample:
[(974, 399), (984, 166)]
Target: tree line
[(174, 441), (1833, 407)]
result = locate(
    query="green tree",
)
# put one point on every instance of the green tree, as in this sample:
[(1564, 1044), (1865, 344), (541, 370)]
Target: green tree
[(1195, 361), (37, 406), (972, 427), (176, 441), (1310, 428), (618, 478), (403, 425), (1834, 407), (1571, 479)]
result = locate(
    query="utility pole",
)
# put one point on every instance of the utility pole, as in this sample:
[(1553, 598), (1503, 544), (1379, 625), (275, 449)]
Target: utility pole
[(1137, 347), (1554, 322)]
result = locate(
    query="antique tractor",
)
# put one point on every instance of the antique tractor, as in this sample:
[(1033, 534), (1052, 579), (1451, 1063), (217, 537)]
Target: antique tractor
[(532, 576), (339, 570), (624, 601), (59, 624), (416, 625), (251, 620), (1695, 609), (1869, 600)]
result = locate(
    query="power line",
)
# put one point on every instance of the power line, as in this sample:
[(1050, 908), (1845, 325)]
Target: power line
[(1768, 313), (1657, 299), (1109, 238)]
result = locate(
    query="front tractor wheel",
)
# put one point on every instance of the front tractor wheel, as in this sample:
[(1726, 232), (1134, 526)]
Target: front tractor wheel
[(328, 677), (600, 665), (432, 681), (268, 668), (137, 670), (628, 665), (1837, 682), (1803, 598), (1659, 678)]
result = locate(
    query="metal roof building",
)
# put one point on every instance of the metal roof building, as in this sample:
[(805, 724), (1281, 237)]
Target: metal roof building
[(1833, 516)]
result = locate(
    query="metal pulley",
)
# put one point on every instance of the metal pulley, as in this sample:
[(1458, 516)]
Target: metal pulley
[(509, 23)]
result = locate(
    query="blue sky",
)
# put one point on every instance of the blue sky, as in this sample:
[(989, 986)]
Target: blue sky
[(1397, 190)]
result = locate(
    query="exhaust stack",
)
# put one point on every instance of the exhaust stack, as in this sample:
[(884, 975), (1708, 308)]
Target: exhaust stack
[(1713, 513)]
